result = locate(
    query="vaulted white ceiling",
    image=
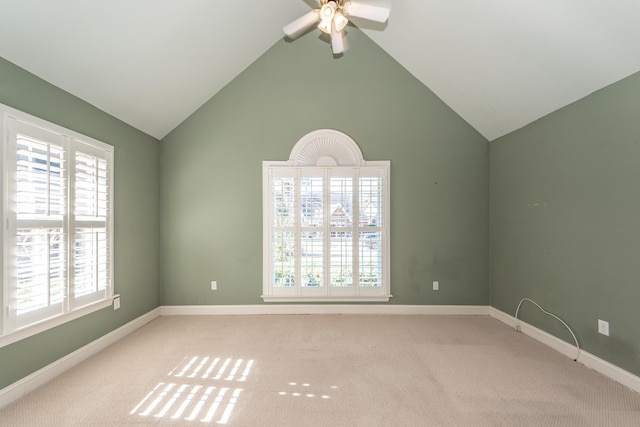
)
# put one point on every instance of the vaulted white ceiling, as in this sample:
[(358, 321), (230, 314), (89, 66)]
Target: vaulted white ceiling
[(500, 64)]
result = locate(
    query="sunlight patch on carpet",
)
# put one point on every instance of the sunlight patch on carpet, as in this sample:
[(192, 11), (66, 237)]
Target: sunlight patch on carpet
[(204, 393)]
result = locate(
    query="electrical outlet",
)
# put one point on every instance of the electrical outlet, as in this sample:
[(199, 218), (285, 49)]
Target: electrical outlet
[(214, 285), (436, 286), (603, 327), (116, 303)]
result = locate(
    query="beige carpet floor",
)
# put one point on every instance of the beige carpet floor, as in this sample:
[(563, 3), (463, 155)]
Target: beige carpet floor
[(326, 370)]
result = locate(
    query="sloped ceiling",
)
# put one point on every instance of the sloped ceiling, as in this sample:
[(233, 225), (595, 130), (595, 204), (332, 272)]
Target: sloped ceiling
[(500, 64)]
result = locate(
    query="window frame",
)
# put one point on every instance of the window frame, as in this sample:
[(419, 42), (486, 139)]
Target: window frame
[(12, 328), (326, 153)]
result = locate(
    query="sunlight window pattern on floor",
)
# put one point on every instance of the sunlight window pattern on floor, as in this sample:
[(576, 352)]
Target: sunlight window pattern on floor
[(201, 389)]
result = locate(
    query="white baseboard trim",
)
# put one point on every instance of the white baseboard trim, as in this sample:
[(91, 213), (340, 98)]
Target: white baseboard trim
[(29, 383), (589, 360), (260, 309)]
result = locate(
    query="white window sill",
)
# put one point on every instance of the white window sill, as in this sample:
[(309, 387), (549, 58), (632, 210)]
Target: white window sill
[(381, 298), (52, 322)]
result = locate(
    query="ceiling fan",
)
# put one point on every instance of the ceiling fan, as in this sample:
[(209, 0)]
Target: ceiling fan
[(332, 16)]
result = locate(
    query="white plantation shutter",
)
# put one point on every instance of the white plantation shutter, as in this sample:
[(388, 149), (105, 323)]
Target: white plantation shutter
[(282, 202), (326, 233), (57, 212), (326, 223), (371, 204), (40, 193), (91, 215), (341, 216)]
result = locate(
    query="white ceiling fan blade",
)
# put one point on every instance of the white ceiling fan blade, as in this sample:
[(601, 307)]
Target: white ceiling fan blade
[(302, 24), (365, 11), (337, 42)]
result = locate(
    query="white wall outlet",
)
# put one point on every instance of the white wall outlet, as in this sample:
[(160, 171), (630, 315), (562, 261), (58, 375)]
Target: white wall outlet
[(214, 285), (436, 286), (116, 303), (603, 327)]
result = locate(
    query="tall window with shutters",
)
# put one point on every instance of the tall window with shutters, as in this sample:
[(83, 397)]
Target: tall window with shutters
[(326, 223), (58, 257)]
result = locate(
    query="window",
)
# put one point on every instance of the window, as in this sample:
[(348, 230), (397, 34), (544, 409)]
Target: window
[(326, 223), (57, 209)]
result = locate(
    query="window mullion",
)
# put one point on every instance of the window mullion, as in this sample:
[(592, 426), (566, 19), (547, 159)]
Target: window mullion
[(48, 246), (386, 224), (48, 180), (96, 256), (10, 311), (297, 230), (96, 189), (326, 226), (70, 224), (356, 231)]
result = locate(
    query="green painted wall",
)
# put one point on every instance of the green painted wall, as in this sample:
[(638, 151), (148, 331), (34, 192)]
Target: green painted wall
[(565, 205), (136, 219), (212, 180)]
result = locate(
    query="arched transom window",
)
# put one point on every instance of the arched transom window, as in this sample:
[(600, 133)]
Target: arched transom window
[(326, 223)]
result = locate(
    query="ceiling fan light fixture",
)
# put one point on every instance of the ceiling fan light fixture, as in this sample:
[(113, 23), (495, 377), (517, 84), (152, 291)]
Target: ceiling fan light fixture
[(340, 21), (325, 27), (328, 11)]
